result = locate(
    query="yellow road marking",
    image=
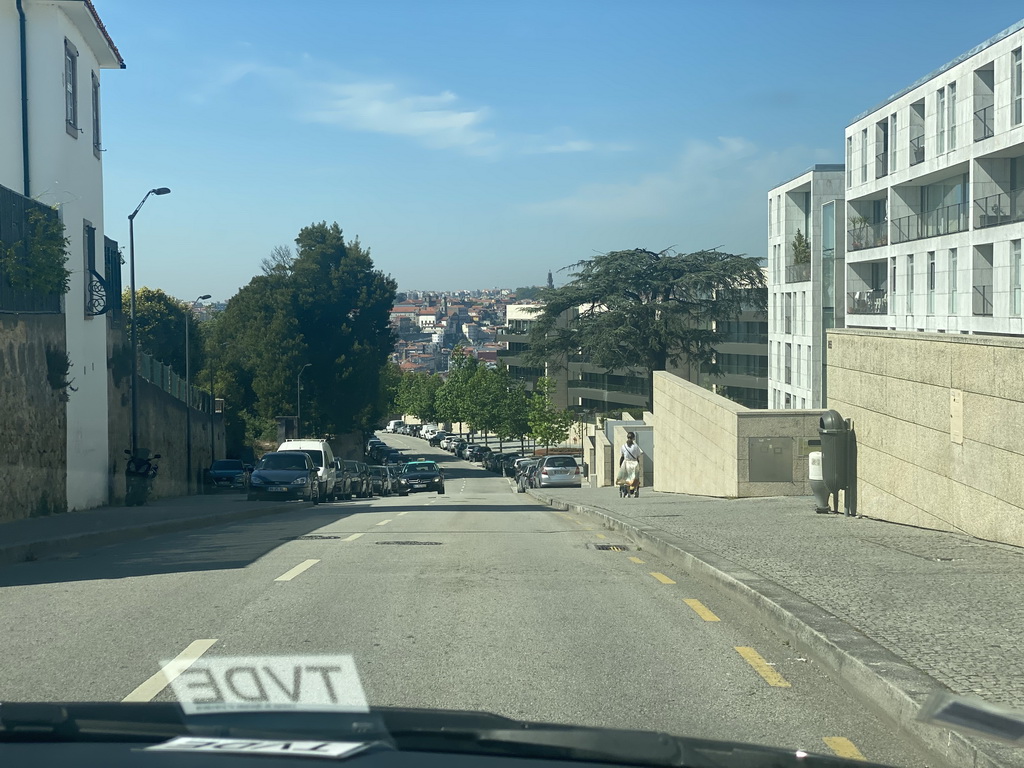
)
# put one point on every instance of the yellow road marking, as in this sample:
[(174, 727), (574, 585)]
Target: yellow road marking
[(353, 537), (701, 610), (601, 536), (149, 689), (662, 578), (637, 560), (762, 667), (383, 522), (305, 565), (843, 747)]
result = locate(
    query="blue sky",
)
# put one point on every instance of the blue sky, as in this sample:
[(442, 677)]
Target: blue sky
[(475, 144)]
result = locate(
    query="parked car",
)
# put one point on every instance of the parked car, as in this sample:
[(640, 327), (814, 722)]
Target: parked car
[(424, 476), (530, 474), (393, 425), (427, 431), (342, 481), (477, 453), (559, 472), (399, 484), (507, 467), (380, 480), (283, 475), (455, 446), (523, 474), (436, 438), (414, 430), (360, 475), (323, 459), (228, 475)]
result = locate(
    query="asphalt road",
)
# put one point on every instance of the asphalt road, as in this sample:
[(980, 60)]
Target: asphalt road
[(500, 605)]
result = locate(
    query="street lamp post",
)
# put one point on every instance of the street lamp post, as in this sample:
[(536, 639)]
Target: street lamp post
[(188, 399), (135, 331), (298, 400)]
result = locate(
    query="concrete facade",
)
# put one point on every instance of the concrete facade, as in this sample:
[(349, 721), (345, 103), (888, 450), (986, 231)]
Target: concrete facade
[(939, 421), (802, 296), (711, 446), (66, 49), (935, 199)]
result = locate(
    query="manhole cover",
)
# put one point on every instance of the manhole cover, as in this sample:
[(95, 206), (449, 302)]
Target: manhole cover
[(316, 537), (612, 547), (412, 543)]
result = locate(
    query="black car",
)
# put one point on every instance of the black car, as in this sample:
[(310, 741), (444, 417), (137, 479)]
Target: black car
[(424, 476), (360, 474), (437, 438), (284, 475), (228, 475), (343, 480), (380, 480), (399, 484)]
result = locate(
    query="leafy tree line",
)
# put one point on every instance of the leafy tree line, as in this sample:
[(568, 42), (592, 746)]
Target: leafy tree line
[(323, 304), (486, 400)]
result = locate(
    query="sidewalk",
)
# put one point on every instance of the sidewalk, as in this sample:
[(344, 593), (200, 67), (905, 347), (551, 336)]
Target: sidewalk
[(37, 537), (895, 612)]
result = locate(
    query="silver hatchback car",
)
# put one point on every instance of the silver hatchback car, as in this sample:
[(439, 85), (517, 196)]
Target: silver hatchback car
[(559, 471)]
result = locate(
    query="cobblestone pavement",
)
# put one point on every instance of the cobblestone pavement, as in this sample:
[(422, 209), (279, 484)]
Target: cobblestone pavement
[(949, 605)]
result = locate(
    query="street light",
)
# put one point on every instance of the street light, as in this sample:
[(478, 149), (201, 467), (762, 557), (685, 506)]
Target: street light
[(135, 331), (188, 400), (298, 400)]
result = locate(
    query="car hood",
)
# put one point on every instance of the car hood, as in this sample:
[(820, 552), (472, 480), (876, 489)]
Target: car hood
[(280, 475), (421, 475)]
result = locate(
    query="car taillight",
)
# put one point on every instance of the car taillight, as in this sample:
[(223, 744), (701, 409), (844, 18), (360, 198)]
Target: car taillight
[(578, 471), (543, 471)]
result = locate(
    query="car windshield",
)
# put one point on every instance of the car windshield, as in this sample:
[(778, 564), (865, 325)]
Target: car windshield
[(722, 302), (282, 461)]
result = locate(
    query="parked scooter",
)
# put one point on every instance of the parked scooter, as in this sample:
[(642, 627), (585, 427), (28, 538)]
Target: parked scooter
[(139, 474)]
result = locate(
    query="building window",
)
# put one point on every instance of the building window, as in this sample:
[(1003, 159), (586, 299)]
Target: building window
[(940, 121), (863, 155), (951, 113), (910, 284), (931, 282), (1015, 85), (849, 161), (789, 367), (953, 281), (1015, 277), (96, 145), (799, 354), (892, 142), (892, 284), (770, 212), (71, 88)]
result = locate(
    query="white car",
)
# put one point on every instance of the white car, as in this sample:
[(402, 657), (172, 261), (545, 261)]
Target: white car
[(394, 425)]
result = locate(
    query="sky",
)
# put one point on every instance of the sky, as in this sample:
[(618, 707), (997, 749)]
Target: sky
[(476, 144)]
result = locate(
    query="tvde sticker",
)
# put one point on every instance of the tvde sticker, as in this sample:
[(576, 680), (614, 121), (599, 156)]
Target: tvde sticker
[(267, 683), (328, 749)]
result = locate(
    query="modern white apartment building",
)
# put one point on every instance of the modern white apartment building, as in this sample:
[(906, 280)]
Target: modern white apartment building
[(935, 199), (805, 275)]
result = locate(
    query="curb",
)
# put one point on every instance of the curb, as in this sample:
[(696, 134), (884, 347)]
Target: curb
[(36, 550), (871, 672)]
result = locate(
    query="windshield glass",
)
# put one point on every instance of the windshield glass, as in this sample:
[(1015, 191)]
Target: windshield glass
[(420, 466), (560, 461), (316, 456), (281, 461)]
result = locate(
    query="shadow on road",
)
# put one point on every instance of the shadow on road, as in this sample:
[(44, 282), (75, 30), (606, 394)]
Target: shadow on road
[(219, 547)]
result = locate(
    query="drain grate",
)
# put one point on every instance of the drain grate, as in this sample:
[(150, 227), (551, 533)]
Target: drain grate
[(612, 547), (412, 543), (315, 537)]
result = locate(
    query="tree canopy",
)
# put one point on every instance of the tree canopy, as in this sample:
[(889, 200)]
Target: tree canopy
[(644, 309), (160, 320)]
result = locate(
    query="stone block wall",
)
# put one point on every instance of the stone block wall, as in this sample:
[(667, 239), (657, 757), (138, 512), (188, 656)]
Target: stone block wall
[(33, 417), (940, 427)]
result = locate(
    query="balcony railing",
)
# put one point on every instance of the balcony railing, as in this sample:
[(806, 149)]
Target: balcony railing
[(97, 295), (984, 127), (867, 236), (999, 209), (867, 303), (942, 221), (798, 273), (629, 389), (917, 150), (882, 164), (982, 301), (745, 338)]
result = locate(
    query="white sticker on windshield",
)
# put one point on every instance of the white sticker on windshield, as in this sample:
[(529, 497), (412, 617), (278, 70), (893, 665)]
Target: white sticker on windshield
[(246, 683), (329, 749)]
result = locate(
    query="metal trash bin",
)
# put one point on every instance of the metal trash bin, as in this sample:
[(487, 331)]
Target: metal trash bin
[(835, 450)]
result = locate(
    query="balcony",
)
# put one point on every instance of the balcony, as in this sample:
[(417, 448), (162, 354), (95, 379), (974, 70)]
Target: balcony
[(982, 305), (882, 164), (917, 150), (984, 126), (638, 388), (999, 209), (798, 273), (941, 221), (867, 303), (867, 235)]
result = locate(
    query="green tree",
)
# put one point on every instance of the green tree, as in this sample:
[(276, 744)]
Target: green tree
[(417, 393), (548, 425), (513, 410), (160, 320), (641, 309), (528, 292), (453, 394), (801, 248), (484, 400)]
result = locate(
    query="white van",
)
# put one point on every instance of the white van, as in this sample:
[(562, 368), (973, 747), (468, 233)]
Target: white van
[(427, 431), (323, 459), (394, 425)]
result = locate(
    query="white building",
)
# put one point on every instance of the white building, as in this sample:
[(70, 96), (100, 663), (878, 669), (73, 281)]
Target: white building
[(51, 151), (802, 287), (935, 199)]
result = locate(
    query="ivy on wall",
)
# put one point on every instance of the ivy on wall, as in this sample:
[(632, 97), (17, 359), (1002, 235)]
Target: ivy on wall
[(41, 265)]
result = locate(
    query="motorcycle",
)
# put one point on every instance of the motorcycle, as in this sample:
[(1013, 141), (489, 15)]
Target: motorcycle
[(139, 473)]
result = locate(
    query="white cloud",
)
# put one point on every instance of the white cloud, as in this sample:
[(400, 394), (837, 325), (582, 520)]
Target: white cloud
[(578, 145)]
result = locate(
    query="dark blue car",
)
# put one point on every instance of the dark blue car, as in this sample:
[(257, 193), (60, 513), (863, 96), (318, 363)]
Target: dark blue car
[(285, 475)]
